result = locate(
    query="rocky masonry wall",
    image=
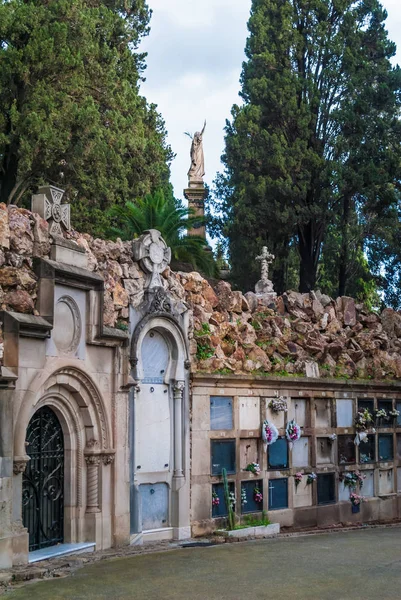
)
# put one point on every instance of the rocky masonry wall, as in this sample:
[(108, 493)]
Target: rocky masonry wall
[(230, 332)]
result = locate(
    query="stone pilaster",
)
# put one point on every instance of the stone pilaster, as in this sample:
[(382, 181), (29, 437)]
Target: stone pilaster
[(179, 387), (196, 194), (92, 494)]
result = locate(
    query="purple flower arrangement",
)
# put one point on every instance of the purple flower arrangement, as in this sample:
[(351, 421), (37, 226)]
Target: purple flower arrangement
[(258, 496)]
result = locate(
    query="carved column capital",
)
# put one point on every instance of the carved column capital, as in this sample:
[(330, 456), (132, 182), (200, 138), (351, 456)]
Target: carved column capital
[(19, 464), (93, 459), (108, 457), (179, 386)]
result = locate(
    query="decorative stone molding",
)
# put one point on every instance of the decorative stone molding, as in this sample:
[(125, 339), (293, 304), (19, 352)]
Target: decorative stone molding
[(92, 443), (161, 302), (153, 255), (19, 464)]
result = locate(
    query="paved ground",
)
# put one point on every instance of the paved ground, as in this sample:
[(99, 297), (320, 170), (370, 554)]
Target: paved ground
[(360, 565)]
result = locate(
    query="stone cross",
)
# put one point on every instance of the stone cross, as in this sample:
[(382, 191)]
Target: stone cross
[(266, 259), (151, 251), (47, 203)]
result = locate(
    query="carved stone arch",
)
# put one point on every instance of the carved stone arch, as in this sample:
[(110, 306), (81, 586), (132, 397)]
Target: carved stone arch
[(82, 394), (89, 400), (170, 329)]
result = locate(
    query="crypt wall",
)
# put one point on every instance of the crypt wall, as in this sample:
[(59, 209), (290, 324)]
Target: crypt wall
[(227, 417)]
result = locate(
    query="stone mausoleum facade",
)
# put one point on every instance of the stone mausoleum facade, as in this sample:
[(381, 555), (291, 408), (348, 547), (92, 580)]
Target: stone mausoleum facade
[(126, 388)]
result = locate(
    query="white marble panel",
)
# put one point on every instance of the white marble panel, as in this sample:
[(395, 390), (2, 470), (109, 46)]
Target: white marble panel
[(300, 452), (386, 482), (343, 492), (249, 412), (345, 413), (302, 494), (368, 488), (153, 429)]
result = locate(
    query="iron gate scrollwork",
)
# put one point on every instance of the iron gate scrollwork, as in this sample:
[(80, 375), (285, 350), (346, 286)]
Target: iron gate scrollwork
[(43, 481)]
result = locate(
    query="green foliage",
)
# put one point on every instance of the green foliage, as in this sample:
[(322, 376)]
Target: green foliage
[(70, 109), (316, 143), (204, 351), (227, 498), (162, 212), (204, 330), (254, 521)]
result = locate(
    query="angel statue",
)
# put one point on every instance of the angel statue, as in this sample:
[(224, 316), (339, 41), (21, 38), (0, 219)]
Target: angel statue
[(197, 169)]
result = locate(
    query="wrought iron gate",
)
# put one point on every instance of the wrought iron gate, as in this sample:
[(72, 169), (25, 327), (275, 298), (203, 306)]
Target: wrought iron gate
[(43, 481)]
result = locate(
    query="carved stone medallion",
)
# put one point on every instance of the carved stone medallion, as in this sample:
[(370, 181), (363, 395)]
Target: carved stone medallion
[(68, 325), (152, 253)]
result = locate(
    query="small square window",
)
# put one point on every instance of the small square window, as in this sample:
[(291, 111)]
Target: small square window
[(386, 405), (223, 456), (219, 506), (386, 451), (278, 494), (326, 488), (346, 450), (367, 450), (278, 454), (221, 412), (252, 492), (366, 404)]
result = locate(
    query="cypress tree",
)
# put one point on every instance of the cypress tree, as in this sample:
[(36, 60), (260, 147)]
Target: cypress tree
[(317, 136), (70, 109)]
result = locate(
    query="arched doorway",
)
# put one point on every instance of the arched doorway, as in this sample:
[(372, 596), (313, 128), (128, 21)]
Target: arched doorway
[(43, 481)]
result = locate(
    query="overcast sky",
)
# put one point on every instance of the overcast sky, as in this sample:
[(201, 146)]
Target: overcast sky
[(195, 53)]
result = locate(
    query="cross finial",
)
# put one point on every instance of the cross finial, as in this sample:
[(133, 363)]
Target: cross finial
[(266, 259), (47, 203)]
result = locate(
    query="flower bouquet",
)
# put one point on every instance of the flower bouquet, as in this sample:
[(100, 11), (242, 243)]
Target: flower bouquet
[(394, 413), (311, 478), (243, 497), (382, 416), (298, 478), (352, 478), (269, 433), (278, 405), (356, 502), (363, 420), (258, 495), (253, 468), (215, 499), (293, 432)]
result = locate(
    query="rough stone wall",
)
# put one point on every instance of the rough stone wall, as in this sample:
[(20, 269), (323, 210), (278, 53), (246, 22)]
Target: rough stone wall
[(230, 332)]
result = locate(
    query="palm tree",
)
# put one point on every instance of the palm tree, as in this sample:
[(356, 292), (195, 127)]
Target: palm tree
[(172, 219)]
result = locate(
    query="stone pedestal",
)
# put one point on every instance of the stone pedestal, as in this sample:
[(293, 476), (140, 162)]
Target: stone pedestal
[(196, 194)]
